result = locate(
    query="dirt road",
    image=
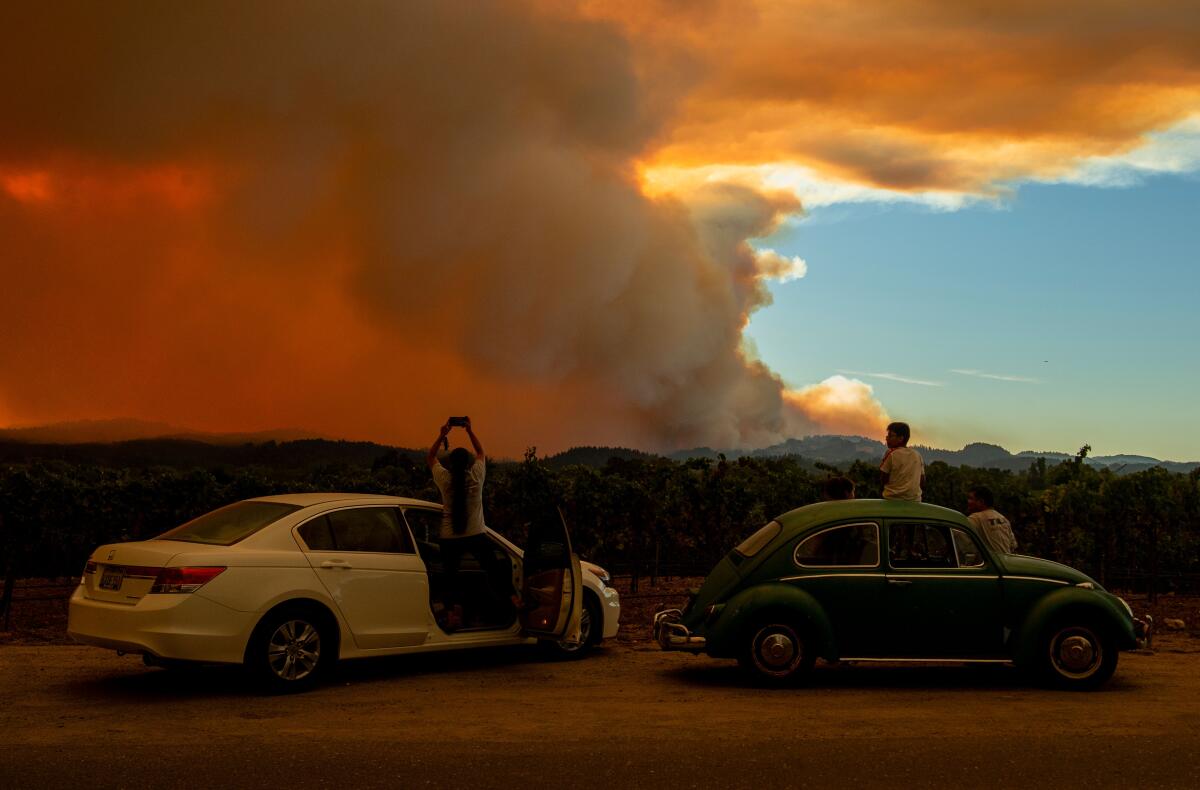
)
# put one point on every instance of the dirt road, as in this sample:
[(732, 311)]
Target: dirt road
[(629, 716)]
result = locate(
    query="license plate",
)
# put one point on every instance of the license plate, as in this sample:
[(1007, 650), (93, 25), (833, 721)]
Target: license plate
[(111, 579)]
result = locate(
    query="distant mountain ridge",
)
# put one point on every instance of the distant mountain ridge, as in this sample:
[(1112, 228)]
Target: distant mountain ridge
[(116, 441), (838, 450), (124, 430)]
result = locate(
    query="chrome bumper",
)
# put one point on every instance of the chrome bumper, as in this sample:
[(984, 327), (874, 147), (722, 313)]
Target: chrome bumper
[(1143, 629), (671, 634)]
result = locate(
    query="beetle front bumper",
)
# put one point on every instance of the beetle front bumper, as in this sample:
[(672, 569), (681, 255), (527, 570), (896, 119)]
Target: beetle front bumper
[(671, 634), (1143, 629)]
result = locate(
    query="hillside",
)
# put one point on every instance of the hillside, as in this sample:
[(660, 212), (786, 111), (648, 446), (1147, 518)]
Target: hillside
[(140, 443)]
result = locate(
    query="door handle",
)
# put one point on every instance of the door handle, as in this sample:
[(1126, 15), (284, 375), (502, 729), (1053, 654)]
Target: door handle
[(339, 564), (899, 582)]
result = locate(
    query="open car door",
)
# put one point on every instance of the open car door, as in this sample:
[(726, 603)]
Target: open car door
[(553, 585)]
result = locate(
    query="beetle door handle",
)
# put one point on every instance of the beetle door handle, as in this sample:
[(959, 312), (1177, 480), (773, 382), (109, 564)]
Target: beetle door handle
[(340, 564), (899, 582)]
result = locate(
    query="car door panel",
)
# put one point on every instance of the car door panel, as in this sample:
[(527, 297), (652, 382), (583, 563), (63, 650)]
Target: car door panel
[(855, 606), (383, 594), (936, 608), (842, 571)]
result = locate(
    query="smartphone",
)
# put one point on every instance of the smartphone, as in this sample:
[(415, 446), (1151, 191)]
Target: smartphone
[(458, 422)]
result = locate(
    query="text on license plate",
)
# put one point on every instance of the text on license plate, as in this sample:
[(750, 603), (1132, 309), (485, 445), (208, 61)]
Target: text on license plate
[(111, 580)]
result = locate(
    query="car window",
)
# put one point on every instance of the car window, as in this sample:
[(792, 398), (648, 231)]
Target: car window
[(317, 535), (846, 546), (753, 544), (226, 526), (374, 529), (424, 523), (969, 555), (914, 545)]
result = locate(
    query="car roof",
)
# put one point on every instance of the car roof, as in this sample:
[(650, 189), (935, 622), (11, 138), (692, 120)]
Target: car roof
[(821, 512), (309, 499)]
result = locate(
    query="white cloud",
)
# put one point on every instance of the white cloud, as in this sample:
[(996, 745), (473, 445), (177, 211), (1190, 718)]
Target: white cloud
[(979, 374), (1173, 151), (893, 377), (780, 267), (812, 189)]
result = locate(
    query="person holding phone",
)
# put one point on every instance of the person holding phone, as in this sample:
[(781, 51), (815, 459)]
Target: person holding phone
[(460, 483)]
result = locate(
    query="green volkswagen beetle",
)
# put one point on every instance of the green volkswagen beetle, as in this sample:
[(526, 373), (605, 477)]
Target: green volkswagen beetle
[(878, 580)]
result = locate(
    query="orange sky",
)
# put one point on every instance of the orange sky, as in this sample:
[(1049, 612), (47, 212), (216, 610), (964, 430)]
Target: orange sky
[(226, 219)]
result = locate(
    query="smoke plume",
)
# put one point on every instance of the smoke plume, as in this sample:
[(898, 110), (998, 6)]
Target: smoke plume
[(361, 219)]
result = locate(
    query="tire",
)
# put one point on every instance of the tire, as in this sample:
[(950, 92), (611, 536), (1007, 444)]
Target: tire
[(591, 631), (1077, 655), (777, 651), (291, 649)]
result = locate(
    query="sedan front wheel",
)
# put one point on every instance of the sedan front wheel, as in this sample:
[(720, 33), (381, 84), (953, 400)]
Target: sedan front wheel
[(591, 631)]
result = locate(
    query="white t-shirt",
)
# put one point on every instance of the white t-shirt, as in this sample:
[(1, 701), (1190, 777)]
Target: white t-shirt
[(904, 468), (444, 481), (995, 530)]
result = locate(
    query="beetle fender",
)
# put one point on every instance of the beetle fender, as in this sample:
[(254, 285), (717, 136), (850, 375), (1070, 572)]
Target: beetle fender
[(742, 609), (1069, 602)]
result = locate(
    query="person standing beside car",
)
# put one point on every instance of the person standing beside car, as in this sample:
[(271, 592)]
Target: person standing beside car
[(994, 527), (461, 531)]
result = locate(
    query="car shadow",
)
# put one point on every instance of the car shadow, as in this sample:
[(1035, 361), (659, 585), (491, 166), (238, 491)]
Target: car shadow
[(481, 659), (146, 683), (881, 676)]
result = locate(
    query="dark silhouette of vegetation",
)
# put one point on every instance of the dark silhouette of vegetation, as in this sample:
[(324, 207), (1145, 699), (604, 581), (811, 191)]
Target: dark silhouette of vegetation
[(636, 513)]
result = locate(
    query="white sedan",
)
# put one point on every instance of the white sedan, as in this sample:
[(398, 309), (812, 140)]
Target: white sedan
[(286, 585)]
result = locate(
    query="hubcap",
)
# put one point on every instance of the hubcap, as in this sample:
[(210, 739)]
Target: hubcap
[(778, 649), (1076, 652), (294, 650)]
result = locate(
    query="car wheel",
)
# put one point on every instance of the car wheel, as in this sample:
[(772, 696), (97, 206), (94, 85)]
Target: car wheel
[(777, 652), (291, 650), (591, 630), (1078, 656)]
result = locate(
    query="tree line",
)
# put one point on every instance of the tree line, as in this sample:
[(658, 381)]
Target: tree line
[(636, 514)]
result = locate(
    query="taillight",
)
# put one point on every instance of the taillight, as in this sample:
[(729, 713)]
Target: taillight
[(89, 567), (185, 580)]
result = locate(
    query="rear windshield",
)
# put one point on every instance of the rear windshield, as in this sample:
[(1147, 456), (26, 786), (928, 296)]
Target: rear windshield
[(227, 525), (753, 544)]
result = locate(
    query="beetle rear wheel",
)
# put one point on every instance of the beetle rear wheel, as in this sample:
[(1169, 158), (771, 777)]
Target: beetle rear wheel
[(1079, 656), (777, 652)]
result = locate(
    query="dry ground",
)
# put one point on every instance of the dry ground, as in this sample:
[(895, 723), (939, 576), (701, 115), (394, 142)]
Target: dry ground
[(628, 716)]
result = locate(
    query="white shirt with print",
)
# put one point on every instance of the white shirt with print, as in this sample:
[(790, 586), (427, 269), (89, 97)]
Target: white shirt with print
[(995, 530)]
